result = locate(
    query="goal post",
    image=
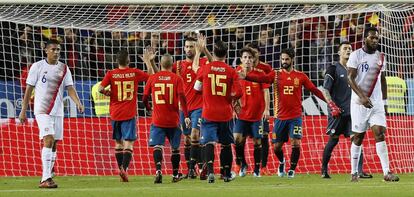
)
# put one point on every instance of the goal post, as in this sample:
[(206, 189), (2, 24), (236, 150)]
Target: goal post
[(91, 32)]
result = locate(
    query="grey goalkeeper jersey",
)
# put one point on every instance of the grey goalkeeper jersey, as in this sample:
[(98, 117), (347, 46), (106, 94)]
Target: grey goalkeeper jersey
[(336, 82)]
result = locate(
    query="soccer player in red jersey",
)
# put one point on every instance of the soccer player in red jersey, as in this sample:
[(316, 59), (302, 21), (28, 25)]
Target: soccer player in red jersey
[(265, 68), (123, 104), (288, 84), (249, 120), (187, 69), (220, 86), (166, 89)]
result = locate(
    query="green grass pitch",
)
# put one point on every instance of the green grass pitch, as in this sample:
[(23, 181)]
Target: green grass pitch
[(301, 186)]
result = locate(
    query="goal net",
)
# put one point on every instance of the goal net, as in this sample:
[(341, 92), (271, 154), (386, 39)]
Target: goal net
[(90, 36)]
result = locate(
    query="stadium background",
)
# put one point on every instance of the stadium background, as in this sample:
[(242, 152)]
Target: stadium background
[(89, 53)]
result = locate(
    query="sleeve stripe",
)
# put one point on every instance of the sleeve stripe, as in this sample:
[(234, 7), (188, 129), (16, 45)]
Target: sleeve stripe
[(329, 76)]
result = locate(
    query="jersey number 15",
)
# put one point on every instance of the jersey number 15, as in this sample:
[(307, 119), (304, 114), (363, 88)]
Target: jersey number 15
[(216, 82)]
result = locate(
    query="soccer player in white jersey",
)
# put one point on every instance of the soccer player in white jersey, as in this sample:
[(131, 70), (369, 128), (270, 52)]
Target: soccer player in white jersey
[(49, 78), (368, 101)]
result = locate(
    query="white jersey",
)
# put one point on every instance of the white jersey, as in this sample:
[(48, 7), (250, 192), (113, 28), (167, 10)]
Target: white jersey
[(369, 68), (49, 82)]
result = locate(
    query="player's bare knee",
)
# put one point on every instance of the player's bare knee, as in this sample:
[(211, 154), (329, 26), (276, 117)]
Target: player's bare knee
[(48, 141), (119, 144), (277, 147), (187, 140), (358, 138), (128, 144), (295, 142), (195, 135), (379, 132), (257, 141)]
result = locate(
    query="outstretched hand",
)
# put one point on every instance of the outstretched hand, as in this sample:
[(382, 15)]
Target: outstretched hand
[(149, 54), (201, 43)]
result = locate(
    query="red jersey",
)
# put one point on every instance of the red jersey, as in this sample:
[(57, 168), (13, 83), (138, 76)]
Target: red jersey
[(288, 91), (220, 85), (253, 101), (185, 70), (124, 90), (165, 88), (263, 67)]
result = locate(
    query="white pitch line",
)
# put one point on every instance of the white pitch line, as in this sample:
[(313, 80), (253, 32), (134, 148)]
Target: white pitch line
[(227, 187)]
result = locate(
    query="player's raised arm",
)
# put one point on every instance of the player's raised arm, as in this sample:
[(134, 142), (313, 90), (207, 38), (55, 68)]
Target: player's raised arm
[(149, 59), (199, 46), (203, 40), (145, 97)]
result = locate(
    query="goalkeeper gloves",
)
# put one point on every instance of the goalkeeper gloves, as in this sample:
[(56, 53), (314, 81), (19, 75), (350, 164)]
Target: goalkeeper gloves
[(335, 110)]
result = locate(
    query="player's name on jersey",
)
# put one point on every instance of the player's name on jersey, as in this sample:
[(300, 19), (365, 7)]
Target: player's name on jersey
[(218, 69), (164, 78), (123, 75)]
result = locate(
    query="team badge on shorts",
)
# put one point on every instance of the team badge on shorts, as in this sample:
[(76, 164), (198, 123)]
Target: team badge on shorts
[(47, 129)]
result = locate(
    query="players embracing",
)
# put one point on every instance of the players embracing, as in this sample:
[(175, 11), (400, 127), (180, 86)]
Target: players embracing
[(288, 84)]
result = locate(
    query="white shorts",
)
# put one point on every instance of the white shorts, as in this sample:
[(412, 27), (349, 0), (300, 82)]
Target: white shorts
[(50, 125), (363, 118)]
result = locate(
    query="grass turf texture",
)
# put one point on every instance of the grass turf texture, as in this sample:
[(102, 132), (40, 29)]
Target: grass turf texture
[(301, 185)]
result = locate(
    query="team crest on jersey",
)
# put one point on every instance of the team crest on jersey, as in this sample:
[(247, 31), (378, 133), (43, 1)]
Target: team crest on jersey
[(188, 67), (296, 82), (46, 129)]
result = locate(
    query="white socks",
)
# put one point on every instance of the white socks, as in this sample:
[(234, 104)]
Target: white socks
[(355, 154), (53, 160), (46, 163), (382, 153)]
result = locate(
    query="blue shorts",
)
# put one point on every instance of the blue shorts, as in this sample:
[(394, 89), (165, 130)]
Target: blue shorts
[(216, 132), (195, 117), (265, 126), (284, 129), (248, 128), (158, 134), (124, 130)]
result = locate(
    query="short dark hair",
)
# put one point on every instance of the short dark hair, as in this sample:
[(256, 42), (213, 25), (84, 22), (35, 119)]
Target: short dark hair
[(342, 43), (191, 39), (368, 29), (122, 57), (220, 49), (248, 50), (254, 45), (52, 41), (166, 61), (289, 51)]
